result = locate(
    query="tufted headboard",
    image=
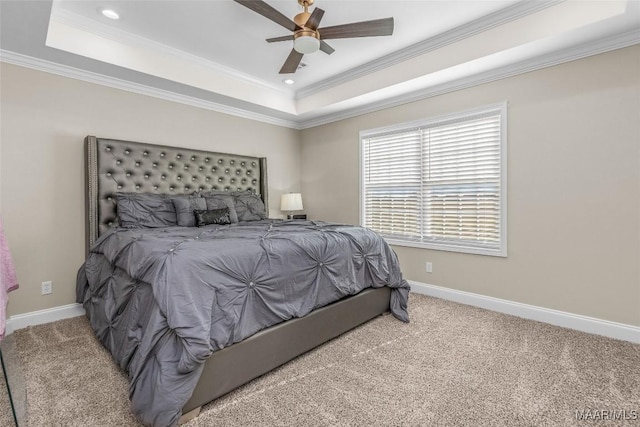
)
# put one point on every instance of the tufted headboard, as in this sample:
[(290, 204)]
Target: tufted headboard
[(112, 166)]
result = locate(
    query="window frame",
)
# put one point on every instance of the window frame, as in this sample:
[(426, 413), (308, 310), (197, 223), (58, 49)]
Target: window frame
[(501, 108)]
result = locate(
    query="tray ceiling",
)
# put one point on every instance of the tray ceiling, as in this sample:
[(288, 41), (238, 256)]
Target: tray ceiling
[(214, 54)]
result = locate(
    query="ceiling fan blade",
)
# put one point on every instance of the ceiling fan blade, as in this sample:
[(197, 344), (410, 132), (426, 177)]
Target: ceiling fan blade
[(314, 19), (269, 12), (378, 27), (280, 39), (326, 48), (291, 64)]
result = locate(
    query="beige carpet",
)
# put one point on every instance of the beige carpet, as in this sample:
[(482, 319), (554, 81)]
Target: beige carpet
[(453, 365)]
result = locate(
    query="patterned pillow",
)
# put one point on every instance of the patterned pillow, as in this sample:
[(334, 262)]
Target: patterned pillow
[(140, 210), (215, 216), (249, 206), (185, 206), (219, 201)]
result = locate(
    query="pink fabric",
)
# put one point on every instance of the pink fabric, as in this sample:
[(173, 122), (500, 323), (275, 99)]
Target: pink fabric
[(8, 281)]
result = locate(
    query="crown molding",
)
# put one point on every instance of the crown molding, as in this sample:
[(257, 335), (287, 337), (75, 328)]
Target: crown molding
[(477, 26), (583, 50), (618, 41), (100, 79), (100, 29)]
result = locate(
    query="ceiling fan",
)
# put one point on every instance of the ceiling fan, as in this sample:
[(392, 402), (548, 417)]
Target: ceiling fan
[(307, 37)]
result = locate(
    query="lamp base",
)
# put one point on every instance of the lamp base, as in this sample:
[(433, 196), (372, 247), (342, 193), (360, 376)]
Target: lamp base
[(298, 216)]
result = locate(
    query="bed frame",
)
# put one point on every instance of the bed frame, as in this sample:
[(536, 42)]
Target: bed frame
[(113, 166)]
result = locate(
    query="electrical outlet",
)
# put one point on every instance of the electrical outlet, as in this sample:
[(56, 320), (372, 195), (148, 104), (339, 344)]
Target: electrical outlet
[(429, 267), (47, 287)]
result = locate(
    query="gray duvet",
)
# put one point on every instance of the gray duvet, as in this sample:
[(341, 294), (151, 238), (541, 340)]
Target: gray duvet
[(162, 300)]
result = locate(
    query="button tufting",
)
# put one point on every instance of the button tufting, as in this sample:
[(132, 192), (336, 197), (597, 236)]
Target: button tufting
[(162, 177), (220, 161), (109, 198), (226, 171), (242, 163), (193, 178), (119, 186), (178, 177), (108, 148), (171, 250), (162, 154), (193, 158), (171, 188), (108, 173), (219, 179), (320, 264), (186, 167), (128, 173), (127, 151), (200, 168), (248, 172), (170, 166), (146, 153), (137, 163), (146, 176), (154, 165), (118, 162), (206, 160), (179, 156), (238, 172), (155, 187), (232, 162), (207, 178), (232, 180), (137, 187)]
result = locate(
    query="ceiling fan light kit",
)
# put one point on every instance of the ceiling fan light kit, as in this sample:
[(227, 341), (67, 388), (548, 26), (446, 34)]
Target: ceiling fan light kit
[(307, 37), (306, 41)]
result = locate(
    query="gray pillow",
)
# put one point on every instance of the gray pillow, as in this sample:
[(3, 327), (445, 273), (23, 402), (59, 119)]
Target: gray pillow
[(145, 210), (249, 206), (185, 206), (219, 201)]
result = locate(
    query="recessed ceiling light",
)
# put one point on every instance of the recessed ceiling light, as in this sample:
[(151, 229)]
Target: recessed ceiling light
[(109, 13), (288, 81)]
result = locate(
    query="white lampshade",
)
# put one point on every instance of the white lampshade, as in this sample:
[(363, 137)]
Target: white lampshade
[(291, 202), (306, 44)]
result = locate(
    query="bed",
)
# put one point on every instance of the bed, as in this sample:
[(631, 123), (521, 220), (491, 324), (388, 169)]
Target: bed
[(190, 313)]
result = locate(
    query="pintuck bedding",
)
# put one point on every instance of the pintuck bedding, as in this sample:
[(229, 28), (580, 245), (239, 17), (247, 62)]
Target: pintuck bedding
[(162, 300)]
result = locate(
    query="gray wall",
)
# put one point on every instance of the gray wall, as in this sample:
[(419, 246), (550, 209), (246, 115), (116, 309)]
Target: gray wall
[(574, 178), (573, 187), (44, 121)]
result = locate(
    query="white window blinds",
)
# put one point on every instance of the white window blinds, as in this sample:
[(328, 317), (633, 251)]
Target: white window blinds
[(438, 184)]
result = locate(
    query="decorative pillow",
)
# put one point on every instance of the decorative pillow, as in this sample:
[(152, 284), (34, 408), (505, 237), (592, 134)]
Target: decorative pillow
[(214, 216), (185, 206), (249, 206), (140, 210), (219, 201)]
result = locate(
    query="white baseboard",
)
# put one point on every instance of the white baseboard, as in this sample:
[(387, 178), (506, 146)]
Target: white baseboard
[(578, 322), (48, 315), (554, 317)]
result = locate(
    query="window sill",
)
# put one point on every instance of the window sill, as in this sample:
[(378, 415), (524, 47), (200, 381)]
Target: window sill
[(449, 248)]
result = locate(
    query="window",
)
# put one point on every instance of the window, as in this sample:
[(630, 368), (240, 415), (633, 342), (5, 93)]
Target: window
[(438, 184)]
